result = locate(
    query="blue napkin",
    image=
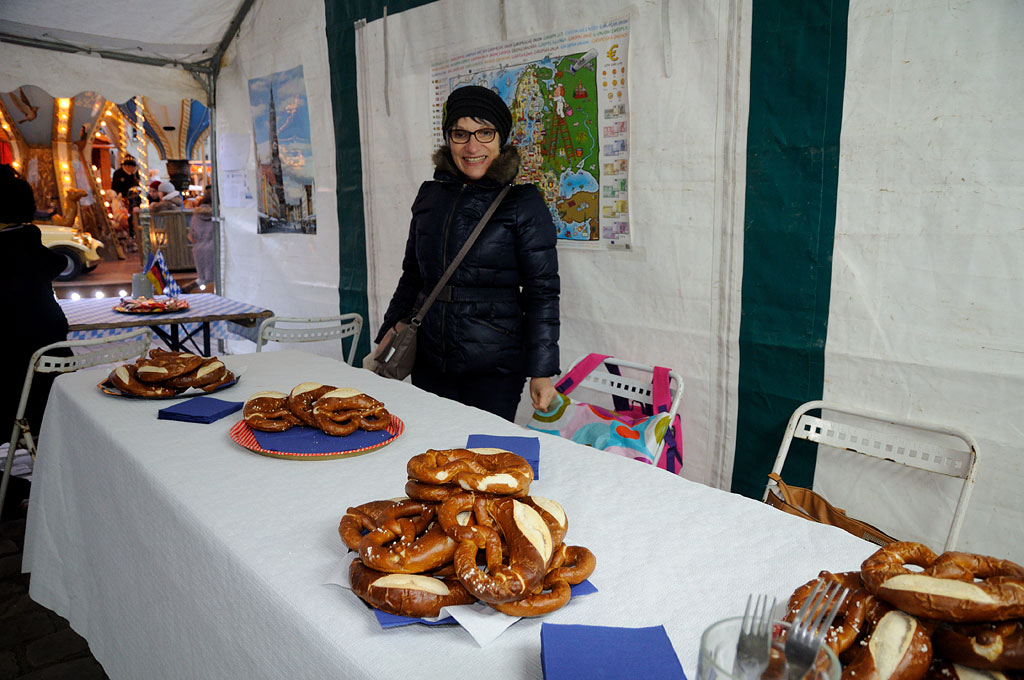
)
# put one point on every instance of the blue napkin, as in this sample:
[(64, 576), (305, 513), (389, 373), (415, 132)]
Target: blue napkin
[(304, 439), (199, 410), (387, 620), (607, 653), (527, 447)]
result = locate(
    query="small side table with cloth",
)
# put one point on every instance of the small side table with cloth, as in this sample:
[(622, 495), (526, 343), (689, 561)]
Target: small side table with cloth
[(96, 318)]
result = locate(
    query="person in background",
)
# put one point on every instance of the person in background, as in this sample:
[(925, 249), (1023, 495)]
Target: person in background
[(28, 307), (497, 321), (200, 235), (170, 199), (153, 192), (124, 179)]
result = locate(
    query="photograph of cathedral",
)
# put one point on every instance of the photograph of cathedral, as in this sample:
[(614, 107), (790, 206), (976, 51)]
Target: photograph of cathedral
[(284, 154)]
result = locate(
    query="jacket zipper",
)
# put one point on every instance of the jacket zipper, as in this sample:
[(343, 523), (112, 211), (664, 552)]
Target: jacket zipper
[(444, 263)]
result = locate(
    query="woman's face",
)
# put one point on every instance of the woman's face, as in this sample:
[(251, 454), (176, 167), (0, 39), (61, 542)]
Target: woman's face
[(474, 157)]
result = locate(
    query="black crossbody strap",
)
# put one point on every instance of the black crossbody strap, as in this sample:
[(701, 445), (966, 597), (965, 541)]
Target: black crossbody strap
[(418, 319)]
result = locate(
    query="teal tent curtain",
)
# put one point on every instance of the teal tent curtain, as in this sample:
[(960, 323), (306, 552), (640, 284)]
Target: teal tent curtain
[(797, 75)]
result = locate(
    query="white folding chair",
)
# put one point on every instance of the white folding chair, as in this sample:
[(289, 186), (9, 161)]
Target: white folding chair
[(96, 352), (933, 448), (315, 329)]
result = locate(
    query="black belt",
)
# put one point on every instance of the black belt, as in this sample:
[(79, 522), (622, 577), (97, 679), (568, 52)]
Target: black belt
[(463, 294)]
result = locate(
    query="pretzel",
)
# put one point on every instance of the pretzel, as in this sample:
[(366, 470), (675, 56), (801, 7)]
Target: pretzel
[(208, 371), (948, 589), (988, 646), (572, 563), (848, 624), (529, 547), (553, 594), (433, 493), (125, 378), (406, 540), (484, 469), (553, 515), (459, 513), (374, 418), (943, 669), (342, 411), (165, 366), (226, 378), (360, 518), (268, 412), (301, 398), (898, 649), (406, 594)]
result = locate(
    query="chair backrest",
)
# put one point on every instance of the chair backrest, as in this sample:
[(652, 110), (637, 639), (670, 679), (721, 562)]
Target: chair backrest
[(95, 352), (633, 389), (914, 444), (312, 329)]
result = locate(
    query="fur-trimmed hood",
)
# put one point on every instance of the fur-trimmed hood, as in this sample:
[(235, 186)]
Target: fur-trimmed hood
[(503, 170)]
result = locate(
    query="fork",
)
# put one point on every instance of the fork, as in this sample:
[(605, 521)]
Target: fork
[(753, 645), (810, 625)]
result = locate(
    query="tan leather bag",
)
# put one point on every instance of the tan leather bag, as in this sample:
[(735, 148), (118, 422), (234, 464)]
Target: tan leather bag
[(796, 500)]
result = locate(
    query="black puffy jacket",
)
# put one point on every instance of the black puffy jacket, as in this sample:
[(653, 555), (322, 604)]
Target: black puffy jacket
[(503, 309)]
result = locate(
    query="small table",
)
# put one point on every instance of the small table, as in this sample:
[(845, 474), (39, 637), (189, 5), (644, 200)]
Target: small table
[(96, 318)]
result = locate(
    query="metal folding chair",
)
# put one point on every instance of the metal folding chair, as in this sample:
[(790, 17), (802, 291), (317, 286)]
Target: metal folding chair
[(909, 443), (108, 350), (314, 329)]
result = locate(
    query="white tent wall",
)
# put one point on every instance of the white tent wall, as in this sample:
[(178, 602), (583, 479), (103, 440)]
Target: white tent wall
[(291, 274), (65, 75), (924, 320), (672, 299)]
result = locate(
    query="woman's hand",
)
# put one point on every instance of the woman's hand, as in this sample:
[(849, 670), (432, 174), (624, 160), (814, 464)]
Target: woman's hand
[(542, 391)]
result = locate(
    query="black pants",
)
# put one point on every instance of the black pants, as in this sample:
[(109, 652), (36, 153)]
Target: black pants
[(498, 393)]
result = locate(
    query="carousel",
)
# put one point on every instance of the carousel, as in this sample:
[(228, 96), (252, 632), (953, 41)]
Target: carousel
[(69, 149)]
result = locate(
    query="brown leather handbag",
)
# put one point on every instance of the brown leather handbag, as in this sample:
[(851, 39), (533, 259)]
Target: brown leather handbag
[(796, 500)]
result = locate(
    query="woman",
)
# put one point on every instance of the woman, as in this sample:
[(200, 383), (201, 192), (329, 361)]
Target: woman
[(200, 235), (496, 322), (32, 317)]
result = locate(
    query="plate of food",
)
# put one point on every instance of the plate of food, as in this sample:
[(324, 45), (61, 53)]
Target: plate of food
[(310, 443), (315, 422), (160, 304), (168, 375)]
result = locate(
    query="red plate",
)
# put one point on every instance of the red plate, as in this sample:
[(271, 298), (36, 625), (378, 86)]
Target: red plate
[(242, 434)]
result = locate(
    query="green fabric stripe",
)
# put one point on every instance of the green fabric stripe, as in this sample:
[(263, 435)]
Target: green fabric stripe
[(797, 75), (341, 47)]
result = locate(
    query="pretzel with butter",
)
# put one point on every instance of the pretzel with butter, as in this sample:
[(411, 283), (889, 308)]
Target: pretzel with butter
[(301, 399), (481, 469), (997, 646), (125, 378), (954, 587), (899, 649), (529, 545), (415, 595)]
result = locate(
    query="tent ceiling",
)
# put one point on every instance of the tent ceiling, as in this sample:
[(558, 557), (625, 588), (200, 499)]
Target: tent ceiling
[(189, 33)]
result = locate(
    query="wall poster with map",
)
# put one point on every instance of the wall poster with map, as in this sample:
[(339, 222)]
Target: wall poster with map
[(570, 121)]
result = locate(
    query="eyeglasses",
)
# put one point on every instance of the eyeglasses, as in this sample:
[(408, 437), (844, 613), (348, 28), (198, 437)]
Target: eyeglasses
[(483, 135)]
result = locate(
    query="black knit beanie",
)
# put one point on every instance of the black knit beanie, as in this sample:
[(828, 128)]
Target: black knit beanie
[(473, 101)]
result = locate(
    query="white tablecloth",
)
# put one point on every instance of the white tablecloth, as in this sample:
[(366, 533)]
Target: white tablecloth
[(179, 554)]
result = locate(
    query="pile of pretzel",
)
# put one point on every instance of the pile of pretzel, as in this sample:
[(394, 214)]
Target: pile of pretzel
[(336, 411), (957, 616), (468, 531), (165, 374)]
